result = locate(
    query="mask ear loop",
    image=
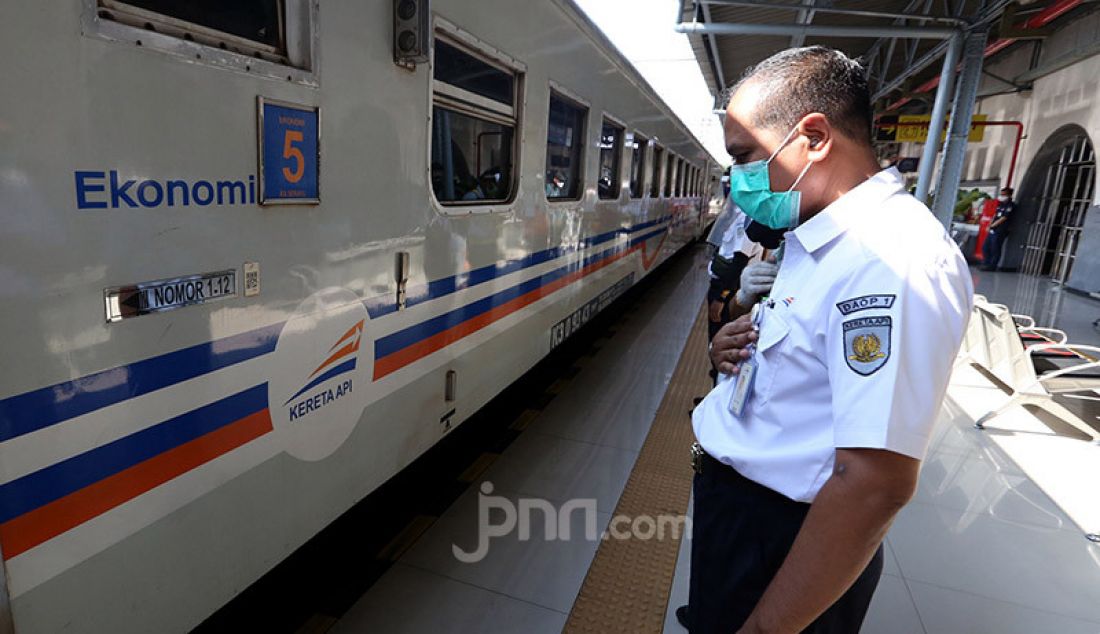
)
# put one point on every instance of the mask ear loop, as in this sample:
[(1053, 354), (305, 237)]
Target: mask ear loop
[(799, 179), (782, 145)]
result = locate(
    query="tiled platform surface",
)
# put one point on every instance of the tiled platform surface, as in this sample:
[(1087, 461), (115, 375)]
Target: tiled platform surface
[(583, 445)]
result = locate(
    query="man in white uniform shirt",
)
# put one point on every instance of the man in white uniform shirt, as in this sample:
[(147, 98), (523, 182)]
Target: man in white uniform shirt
[(734, 251), (812, 441)]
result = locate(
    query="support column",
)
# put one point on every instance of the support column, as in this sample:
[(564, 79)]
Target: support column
[(939, 115), (963, 108)]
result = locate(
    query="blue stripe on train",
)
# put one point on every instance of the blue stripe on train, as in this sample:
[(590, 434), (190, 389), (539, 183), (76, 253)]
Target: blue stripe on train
[(37, 409), (47, 406), (413, 334), (385, 304), (58, 480)]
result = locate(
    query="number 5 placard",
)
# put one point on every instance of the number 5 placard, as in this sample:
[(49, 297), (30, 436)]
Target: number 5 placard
[(290, 153)]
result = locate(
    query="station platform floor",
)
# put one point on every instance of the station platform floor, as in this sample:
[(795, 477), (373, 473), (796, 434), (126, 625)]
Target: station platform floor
[(980, 549)]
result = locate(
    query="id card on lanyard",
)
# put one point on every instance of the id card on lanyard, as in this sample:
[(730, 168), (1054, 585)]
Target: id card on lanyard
[(747, 370)]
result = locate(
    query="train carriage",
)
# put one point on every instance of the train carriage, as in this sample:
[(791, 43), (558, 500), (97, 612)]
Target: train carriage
[(260, 258)]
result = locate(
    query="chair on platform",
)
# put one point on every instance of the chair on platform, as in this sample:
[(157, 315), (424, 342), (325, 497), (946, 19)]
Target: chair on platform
[(1000, 344)]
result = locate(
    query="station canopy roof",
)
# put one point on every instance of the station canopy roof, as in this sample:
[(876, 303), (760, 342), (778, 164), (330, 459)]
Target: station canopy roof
[(901, 41)]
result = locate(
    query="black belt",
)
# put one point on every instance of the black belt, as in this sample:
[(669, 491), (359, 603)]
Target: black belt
[(702, 462)]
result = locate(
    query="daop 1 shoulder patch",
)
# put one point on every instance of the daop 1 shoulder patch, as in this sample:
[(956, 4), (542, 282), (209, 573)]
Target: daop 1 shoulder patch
[(866, 302), (867, 344)]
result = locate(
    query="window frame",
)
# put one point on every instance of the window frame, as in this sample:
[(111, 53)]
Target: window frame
[(582, 159), (637, 138), (670, 168), (299, 62), (618, 185), (491, 111), (678, 178), (657, 172)]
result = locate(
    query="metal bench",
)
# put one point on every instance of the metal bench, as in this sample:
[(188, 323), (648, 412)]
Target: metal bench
[(996, 343)]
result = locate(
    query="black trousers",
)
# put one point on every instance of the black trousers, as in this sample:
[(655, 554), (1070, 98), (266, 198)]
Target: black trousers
[(742, 532), (991, 249)]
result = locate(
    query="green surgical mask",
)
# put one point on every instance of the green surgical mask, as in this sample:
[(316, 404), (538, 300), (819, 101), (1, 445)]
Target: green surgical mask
[(750, 188)]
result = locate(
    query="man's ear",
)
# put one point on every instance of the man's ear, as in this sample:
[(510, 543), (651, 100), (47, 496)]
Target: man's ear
[(820, 135)]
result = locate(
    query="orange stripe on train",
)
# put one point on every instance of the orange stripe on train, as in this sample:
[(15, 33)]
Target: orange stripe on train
[(46, 522)]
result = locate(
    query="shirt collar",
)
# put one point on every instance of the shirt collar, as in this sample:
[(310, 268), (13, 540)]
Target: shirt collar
[(831, 221)]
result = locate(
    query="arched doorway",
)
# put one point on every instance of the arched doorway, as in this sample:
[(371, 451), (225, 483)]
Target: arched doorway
[(1055, 195)]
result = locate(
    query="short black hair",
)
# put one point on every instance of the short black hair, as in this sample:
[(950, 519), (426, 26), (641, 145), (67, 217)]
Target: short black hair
[(1009, 190), (800, 81)]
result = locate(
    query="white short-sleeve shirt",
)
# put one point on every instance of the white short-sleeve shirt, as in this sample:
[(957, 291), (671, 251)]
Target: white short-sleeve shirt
[(856, 343)]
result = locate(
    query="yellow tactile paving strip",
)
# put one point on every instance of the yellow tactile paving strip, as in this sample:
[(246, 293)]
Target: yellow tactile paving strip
[(627, 587)]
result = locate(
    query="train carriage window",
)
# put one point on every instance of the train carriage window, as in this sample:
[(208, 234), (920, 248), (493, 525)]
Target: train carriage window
[(564, 148), (637, 165), (679, 178), (655, 177), (670, 174), (474, 122), (457, 68), (251, 27), (611, 148)]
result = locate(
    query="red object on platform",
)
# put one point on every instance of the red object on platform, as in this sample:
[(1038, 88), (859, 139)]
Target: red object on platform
[(989, 209)]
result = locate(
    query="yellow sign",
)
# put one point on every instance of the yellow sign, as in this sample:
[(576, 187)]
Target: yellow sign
[(913, 128)]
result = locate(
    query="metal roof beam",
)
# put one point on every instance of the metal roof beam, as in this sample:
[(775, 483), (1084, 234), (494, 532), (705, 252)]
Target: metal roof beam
[(805, 16), (720, 80), (989, 12), (763, 4), (815, 30), (872, 57)]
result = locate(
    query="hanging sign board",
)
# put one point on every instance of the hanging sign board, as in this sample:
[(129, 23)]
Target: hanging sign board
[(913, 128)]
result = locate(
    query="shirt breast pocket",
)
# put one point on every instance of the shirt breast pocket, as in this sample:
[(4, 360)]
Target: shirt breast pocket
[(774, 333)]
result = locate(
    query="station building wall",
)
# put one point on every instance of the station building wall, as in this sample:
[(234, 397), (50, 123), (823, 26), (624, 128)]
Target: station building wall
[(1065, 74)]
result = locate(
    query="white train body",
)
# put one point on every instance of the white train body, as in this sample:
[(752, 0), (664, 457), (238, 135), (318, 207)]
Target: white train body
[(152, 466)]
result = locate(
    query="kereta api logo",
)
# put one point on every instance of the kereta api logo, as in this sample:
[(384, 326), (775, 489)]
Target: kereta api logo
[(340, 363), (320, 377)]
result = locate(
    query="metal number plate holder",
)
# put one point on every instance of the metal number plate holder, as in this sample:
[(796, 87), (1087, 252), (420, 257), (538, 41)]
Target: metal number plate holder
[(124, 302)]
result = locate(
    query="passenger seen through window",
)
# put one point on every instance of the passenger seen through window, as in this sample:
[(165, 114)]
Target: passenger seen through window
[(564, 144), (611, 145)]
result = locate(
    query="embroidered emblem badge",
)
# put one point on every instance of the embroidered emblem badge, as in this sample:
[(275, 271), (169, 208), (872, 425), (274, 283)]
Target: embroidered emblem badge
[(867, 344)]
